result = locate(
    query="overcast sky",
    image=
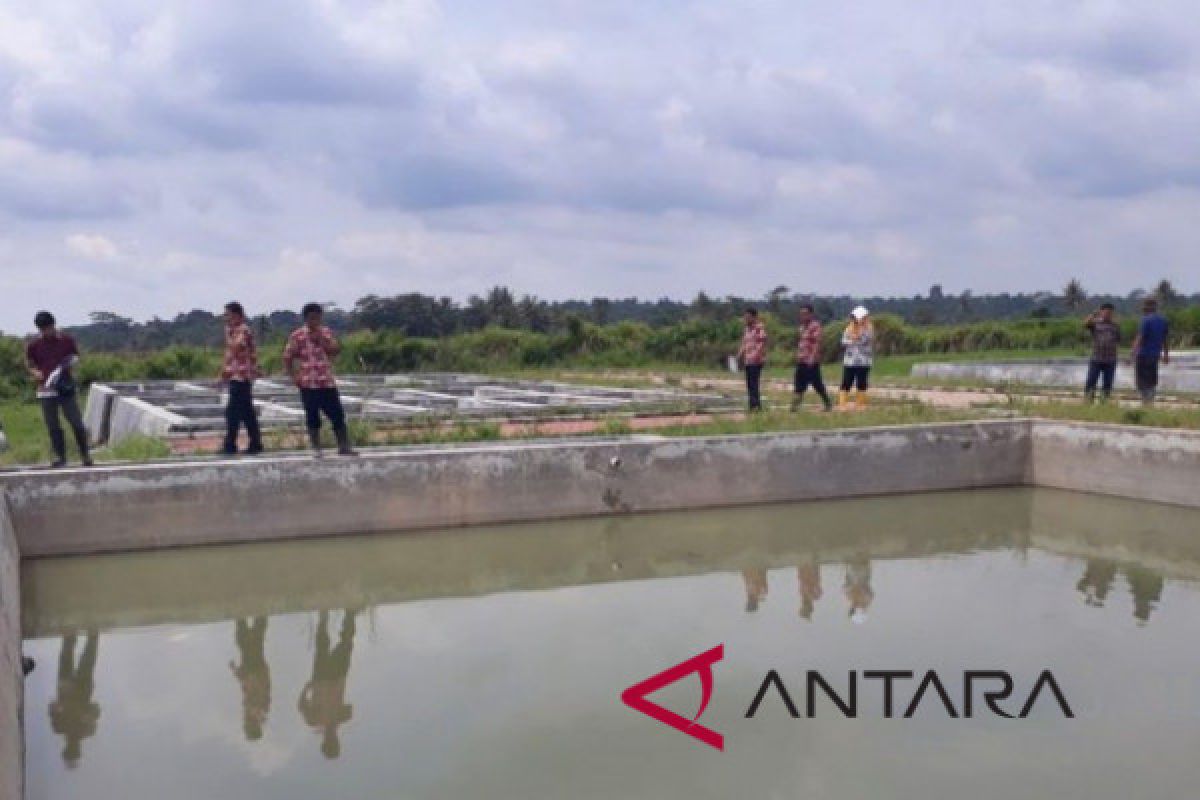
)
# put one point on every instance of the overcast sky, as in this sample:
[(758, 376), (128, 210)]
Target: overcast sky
[(163, 155)]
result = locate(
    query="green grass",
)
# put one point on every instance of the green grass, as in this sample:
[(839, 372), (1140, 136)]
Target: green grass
[(136, 448), (901, 366), (27, 439), (1154, 417), (779, 419), (672, 374), (28, 442)]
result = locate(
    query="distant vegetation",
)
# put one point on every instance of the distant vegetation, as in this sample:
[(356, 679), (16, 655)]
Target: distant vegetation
[(423, 316), (413, 332)]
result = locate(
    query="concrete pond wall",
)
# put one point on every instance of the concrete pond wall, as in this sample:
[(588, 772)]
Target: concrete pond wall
[(11, 675), (153, 506), (1154, 464), (157, 505), (1181, 375)]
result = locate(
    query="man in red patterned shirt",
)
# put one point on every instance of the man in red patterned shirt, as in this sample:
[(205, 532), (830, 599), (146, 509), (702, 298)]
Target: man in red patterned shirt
[(752, 355), (308, 360), (239, 370), (808, 359)]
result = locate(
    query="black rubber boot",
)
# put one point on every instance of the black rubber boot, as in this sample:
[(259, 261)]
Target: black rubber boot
[(59, 444), (343, 440), (81, 440)]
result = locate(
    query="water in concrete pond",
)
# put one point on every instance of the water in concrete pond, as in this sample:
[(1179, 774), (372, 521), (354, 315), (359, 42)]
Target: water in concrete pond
[(489, 663)]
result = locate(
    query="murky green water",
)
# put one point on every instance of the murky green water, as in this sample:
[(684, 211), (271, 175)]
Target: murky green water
[(489, 663)]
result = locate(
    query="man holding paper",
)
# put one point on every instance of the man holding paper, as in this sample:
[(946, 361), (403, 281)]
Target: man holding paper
[(50, 357)]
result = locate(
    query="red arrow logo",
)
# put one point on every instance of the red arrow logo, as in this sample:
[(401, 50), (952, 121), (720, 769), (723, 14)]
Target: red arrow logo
[(635, 696)]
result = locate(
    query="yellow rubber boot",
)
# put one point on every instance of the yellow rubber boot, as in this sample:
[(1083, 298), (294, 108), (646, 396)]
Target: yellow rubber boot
[(843, 399), (860, 400)]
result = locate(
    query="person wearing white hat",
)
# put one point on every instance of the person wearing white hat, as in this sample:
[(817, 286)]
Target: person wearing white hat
[(858, 339)]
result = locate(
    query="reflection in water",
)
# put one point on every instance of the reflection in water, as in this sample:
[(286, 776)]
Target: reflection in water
[(468, 614), (808, 576), (253, 675), (73, 713), (1097, 579), (858, 588), (323, 699), (1147, 586), (756, 587)]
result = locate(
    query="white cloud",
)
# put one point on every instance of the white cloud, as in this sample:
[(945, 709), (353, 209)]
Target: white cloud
[(93, 247), (330, 148)]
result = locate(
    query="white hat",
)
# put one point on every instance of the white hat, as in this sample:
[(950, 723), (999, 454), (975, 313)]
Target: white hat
[(859, 312)]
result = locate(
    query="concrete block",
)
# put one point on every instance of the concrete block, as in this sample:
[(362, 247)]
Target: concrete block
[(131, 416), (97, 414), (1181, 375)]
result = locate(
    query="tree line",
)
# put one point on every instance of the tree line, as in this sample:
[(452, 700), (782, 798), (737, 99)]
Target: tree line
[(426, 316)]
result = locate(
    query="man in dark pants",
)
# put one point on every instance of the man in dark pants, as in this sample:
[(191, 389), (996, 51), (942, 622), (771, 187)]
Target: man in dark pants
[(253, 675), (308, 360), (240, 369), (753, 354), (808, 359), (73, 712), (1149, 346), (50, 357), (323, 699), (1106, 338)]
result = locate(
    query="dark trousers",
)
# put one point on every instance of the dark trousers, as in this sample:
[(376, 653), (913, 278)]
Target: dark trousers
[(240, 411), (70, 409), (810, 375), (753, 380), (1146, 373), (1102, 372), (855, 377), (327, 401)]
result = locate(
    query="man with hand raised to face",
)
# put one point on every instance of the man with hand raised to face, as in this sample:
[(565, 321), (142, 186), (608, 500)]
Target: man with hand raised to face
[(308, 359)]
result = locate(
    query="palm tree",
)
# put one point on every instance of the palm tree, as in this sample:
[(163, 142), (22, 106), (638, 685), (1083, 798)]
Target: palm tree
[(1074, 295)]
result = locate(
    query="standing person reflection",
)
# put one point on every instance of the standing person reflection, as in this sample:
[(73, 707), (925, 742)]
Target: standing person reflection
[(857, 587), (808, 575), (1146, 585), (323, 699), (1098, 575), (755, 579), (73, 713), (253, 675)]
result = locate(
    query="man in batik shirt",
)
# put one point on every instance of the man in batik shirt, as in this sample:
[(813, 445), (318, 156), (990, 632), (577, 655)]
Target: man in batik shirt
[(308, 359), (240, 369), (753, 354), (808, 359)]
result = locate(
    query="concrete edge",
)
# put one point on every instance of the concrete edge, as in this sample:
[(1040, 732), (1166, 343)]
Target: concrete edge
[(78, 511), (1153, 464), (12, 677)]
